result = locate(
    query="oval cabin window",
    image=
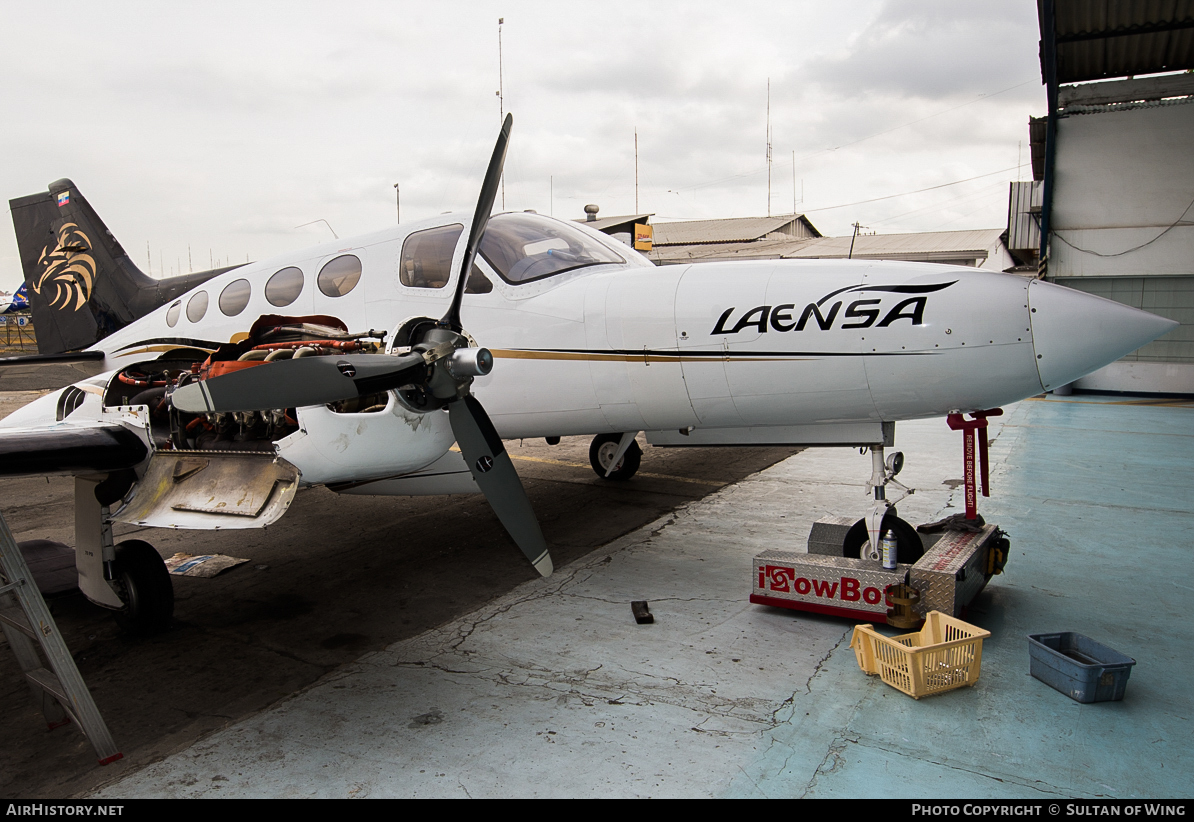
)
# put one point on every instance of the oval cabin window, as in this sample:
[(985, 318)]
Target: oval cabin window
[(173, 312), (235, 297), (284, 286), (197, 307), (339, 276)]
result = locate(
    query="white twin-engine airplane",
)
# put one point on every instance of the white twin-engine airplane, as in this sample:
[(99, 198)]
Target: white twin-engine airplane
[(228, 390)]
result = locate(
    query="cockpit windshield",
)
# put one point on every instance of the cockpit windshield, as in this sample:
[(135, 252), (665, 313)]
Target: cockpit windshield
[(524, 247)]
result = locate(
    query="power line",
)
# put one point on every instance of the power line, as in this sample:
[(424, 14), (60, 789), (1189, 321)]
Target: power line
[(914, 122), (1172, 226), (961, 198), (877, 199), (917, 191), (980, 98)]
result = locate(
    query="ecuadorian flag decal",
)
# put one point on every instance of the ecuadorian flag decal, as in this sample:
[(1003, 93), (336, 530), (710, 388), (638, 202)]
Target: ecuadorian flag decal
[(63, 198)]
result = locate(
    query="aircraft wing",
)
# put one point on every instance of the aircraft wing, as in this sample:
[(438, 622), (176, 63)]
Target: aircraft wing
[(69, 448)]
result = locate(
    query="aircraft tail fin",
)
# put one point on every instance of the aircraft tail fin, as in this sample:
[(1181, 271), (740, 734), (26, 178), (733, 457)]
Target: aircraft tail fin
[(81, 283)]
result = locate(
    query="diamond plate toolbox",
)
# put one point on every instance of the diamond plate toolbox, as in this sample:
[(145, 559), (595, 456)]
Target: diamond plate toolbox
[(952, 572)]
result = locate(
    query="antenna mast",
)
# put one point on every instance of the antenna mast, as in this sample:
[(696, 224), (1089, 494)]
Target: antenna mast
[(768, 146), (501, 101)]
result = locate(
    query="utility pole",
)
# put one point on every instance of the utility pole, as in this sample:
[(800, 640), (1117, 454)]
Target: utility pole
[(501, 101), (850, 256), (398, 201)]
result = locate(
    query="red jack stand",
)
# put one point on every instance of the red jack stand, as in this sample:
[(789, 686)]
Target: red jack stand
[(959, 423)]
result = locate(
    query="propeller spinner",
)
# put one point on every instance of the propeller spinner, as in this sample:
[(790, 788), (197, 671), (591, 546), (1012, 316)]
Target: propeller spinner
[(441, 365)]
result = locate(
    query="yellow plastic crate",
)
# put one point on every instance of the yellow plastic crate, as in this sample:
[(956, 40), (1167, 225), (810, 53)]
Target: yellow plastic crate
[(945, 654)]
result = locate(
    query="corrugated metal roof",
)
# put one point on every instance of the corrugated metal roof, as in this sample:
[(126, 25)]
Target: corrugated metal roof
[(603, 223), (940, 246), (1077, 110), (705, 252), (1098, 39), (733, 230), (903, 246)]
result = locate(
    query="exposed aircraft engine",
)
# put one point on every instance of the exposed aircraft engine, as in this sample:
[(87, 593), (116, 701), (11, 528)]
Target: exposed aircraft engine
[(272, 339)]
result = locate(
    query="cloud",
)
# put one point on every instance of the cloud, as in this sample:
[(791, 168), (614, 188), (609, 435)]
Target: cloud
[(226, 124), (935, 49)]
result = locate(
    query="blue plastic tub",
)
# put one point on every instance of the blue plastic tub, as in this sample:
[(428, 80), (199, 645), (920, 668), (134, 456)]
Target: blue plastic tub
[(1079, 667)]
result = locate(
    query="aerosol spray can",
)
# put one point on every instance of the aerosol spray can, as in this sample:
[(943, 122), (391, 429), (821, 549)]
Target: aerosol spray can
[(888, 548)]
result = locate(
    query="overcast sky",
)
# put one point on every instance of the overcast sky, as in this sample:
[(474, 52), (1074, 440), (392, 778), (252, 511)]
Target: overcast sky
[(223, 126)]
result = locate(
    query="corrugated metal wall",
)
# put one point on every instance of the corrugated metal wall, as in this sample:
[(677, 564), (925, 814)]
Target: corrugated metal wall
[(1023, 217)]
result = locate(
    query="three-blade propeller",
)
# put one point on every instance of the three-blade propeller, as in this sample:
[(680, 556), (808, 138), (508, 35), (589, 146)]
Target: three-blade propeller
[(440, 364)]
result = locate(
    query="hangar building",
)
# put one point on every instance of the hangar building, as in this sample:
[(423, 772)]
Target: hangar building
[(1116, 192)]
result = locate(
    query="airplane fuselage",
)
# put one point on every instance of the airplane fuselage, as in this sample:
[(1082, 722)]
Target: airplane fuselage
[(622, 345)]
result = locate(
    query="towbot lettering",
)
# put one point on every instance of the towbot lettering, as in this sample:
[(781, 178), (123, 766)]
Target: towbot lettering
[(847, 589)]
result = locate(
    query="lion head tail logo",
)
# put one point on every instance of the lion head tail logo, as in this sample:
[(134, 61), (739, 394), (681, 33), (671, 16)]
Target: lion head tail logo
[(68, 268)]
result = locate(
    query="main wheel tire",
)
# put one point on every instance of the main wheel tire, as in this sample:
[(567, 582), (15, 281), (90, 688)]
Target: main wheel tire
[(601, 454), (909, 548), (148, 593)]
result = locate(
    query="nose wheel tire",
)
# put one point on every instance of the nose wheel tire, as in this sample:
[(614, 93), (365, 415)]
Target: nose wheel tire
[(601, 454), (146, 589), (909, 548)]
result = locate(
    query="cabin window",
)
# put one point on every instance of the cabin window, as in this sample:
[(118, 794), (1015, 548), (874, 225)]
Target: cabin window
[(339, 276), (235, 297), (427, 257), (284, 286), (173, 312), (524, 247), (197, 307)]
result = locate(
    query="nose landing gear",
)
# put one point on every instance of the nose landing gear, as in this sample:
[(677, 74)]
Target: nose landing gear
[(865, 534)]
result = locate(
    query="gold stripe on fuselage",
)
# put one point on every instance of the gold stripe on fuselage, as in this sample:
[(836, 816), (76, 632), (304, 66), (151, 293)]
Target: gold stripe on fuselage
[(150, 349), (647, 357)]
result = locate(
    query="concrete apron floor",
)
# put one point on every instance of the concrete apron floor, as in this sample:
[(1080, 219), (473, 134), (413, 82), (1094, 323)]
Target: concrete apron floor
[(554, 690)]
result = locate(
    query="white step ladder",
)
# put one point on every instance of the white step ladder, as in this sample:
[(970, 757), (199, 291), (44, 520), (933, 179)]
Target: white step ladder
[(59, 689)]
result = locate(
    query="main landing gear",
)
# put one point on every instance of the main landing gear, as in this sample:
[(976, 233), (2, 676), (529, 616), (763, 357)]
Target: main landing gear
[(144, 585), (129, 579), (615, 456), (862, 540)]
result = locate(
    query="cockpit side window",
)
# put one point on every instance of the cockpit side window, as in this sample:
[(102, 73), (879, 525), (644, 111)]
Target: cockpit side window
[(477, 283), (427, 257), (524, 247)]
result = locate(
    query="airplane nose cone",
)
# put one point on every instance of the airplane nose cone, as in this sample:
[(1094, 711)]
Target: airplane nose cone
[(1075, 333)]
